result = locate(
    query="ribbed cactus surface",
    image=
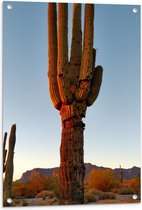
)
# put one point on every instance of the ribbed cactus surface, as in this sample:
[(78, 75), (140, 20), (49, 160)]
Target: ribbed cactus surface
[(74, 84), (4, 151), (9, 167), (76, 80)]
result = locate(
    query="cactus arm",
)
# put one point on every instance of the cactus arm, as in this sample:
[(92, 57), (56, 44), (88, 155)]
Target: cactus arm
[(86, 63), (94, 59), (76, 46), (9, 164), (86, 72), (4, 159), (4, 151), (95, 86), (52, 56), (4, 141), (63, 66)]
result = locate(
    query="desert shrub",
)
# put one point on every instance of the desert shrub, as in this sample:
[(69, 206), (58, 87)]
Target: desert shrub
[(20, 190), (35, 186), (95, 195), (53, 184), (53, 201), (130, 186), (29, 189), (17, 202), (105, 196), (51, 196), (16, 193), (56, 193), (115, 190), (135, 184), (25, 203), (103, 180), (43, 194), (125, 191), (90, 197)]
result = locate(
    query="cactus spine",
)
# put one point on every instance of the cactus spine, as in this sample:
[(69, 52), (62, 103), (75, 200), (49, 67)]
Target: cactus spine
[(8, 168), (73, 85)]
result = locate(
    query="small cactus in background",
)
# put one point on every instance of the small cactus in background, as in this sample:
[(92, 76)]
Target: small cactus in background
[(8, 164), (120, 174), (73, 85)]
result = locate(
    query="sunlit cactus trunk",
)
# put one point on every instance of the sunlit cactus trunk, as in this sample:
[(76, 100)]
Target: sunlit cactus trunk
[(8, 168), (73, 85), (72, 163)]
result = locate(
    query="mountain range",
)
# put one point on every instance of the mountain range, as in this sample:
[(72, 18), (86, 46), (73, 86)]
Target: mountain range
[(30, 174)]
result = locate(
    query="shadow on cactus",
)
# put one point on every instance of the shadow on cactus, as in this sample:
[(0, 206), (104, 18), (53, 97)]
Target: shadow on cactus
[(73, 85), (8, 165)]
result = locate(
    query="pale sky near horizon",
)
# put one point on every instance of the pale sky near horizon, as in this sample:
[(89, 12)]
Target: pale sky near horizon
[(112, 133)]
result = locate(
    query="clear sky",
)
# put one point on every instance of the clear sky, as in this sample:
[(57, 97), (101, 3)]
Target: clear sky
[(112, 133)]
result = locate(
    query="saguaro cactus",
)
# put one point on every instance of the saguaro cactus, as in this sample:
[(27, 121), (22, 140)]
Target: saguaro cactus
[(4, 151), (73, 85), (8, 168), (120, 174)]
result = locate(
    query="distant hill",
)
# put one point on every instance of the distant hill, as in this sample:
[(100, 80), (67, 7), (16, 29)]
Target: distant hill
[(39, 172), (128, 173)]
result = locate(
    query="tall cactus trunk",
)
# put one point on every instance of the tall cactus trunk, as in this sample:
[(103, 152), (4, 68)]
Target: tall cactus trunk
[(9, 167), (72, 163)]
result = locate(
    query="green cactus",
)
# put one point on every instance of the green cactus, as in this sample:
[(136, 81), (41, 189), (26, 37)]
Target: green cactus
[(4, 151), (73, 85), (8, 168)]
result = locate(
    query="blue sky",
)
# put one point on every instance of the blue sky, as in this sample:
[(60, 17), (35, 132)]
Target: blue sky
[(112, 133)]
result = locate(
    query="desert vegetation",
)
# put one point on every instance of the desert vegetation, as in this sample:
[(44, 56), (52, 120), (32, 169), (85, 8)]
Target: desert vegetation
[(103, 180), (45, 191), (100, 186), (36, 187), (104, 185)]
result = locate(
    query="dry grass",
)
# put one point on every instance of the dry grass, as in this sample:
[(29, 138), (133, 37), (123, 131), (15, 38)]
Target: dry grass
[(53, 201), (46, 198), (125, 200), (44, 194), (94, 196), (90, 197), (107, 196), (125, 191)]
